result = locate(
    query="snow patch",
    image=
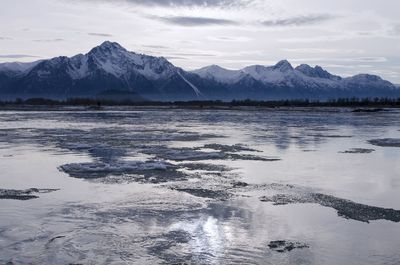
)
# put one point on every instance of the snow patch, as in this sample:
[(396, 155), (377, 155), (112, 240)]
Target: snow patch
[(195, 89)]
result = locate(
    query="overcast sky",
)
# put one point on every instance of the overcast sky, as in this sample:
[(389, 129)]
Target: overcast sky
[(344, 36)]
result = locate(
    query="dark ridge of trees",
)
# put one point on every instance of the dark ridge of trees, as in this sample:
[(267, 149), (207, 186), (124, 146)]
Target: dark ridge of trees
[(341, 102)]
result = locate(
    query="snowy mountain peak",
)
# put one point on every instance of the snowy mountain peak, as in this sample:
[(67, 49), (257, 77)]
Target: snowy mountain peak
[(219, 74), (108, 45), (107, 50), (305, 69), (112, 58), (367, 78), (15, 68), (270, 74), (208, 69), (317, 72), (214, 67), (284, 66)]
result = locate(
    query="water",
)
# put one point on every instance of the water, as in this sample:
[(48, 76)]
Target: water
[(187, 186)]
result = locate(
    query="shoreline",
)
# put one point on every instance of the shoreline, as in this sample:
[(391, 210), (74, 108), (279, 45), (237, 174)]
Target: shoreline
[(71, 108)]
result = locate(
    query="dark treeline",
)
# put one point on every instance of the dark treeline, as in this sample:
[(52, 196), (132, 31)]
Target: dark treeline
[(341, 102)]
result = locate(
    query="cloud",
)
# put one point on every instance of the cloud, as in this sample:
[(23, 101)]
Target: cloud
[(156, 47), (368, 59), (175, 58), (188, 3), (17, 56), (5, 38), (343, 60), (395, 30), (325, 38), (298, 21), (229, 39), (195, 21), (323, 50), (195, 54), (349, 66), (49, 40), (99, 34)]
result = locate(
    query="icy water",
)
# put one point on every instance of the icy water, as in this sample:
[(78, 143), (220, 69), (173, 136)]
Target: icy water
[(161, 186)]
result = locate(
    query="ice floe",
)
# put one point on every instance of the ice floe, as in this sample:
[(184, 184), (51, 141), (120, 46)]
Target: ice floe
[(386, 142), (23, 195), (345, 208)]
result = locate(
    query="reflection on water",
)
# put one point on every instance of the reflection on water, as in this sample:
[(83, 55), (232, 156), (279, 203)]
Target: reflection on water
[(199, 187)]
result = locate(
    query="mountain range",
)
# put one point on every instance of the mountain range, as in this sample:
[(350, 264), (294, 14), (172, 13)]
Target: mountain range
[(109, 69)]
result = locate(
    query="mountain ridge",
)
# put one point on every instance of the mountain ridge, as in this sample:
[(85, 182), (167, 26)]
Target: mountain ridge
[(110, 67)]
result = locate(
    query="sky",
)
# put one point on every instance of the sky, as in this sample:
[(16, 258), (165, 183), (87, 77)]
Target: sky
[(346, 37)]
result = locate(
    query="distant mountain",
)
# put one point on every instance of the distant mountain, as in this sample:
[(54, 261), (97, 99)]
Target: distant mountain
[(304, 81), (110, 68)]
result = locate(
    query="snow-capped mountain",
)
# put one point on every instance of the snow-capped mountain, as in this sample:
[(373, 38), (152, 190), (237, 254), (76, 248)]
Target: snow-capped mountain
[(316, 72), (219, 74), (284, 81), (15, 68), (110, 67), (115, 60)]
